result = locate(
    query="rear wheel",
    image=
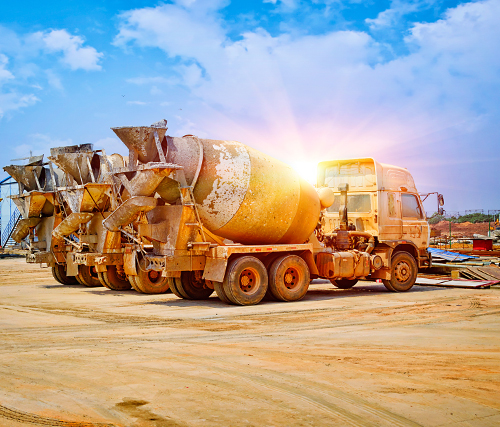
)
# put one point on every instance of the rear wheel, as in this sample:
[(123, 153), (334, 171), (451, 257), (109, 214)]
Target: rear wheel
[(403, 273), (219, 290), (56, 276), (67, 280), (344, 283), (79, 280), (149, 281), (115, 278), (88, 276), (192, 285), (289, 278), (175, 290), (131, 280), (59, 273), (245, 282)]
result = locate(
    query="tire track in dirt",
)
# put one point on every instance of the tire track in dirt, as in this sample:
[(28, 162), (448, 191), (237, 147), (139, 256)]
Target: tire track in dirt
[(290, 321), (348, 409), (30, 418)]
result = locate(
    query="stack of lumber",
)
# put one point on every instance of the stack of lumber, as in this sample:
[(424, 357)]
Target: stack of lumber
[(487, 272)]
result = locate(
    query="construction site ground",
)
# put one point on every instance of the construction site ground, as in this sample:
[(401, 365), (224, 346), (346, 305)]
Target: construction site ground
[(81, 357), (464, 229)]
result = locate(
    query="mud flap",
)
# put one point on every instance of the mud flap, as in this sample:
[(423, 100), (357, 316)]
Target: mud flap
[(129, 263), (71, 267), (215, 269)]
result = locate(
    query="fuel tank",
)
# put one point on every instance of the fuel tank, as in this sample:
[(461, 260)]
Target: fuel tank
[(241, 194)]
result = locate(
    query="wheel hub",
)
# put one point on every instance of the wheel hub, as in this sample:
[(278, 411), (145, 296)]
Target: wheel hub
[(153, 275), (290, 278), (247, 280), (402, 272)]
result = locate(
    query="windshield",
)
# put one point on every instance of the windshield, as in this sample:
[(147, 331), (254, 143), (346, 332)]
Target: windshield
[(355, 203)]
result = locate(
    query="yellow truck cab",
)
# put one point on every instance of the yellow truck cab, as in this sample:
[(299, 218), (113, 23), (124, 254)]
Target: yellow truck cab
[(383, 201)]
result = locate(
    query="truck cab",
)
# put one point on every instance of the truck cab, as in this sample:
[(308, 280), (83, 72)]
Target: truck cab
[(383, 201)]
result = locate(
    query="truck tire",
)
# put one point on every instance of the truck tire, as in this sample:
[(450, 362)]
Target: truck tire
[(344, 283), (149, 281), (219, 290), (115, 278), (245, 282), (188, 285), (403, 273), (59, 273), (79, 279), (88, 276), (131, 280), (54, 274), (175, 290), (289, 278)]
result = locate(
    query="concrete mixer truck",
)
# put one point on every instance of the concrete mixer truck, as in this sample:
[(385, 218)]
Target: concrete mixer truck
[(204, 215)]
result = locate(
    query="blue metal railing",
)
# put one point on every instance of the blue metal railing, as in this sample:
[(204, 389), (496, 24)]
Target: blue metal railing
[(11, 225)]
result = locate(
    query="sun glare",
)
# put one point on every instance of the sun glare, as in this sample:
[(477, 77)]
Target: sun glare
[(306, 170)]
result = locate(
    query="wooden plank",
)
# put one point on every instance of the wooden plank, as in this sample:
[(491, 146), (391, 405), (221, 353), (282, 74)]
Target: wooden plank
[(472, 284), (491, 270)]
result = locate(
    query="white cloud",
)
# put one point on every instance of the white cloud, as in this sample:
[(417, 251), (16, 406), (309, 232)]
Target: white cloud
[(335, 95), (398, 10), (175, 29), (23, 64), (74, 54), (136, 103), (54, 80), (149, 80), (39, 143), (4, 73), (15, 101), (155, 91)]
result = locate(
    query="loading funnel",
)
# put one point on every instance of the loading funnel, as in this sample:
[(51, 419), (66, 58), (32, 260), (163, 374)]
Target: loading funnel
[(140, 140), (28, 176), (87, 198), (35, 204), (23, 228), (79, 161)]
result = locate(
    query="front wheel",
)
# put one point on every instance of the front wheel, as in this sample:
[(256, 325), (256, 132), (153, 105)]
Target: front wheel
[(403, 273)]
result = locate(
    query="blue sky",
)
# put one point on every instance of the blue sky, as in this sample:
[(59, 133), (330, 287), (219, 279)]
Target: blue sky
[(412, 83)]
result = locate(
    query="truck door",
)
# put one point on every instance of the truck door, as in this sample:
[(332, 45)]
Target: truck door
[(390, 224), (415, 228)]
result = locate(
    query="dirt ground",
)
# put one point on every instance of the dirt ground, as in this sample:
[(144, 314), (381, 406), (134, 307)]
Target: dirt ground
[(465, 229), (80, 357)]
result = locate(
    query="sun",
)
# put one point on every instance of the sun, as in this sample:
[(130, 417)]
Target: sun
[(306, 170)]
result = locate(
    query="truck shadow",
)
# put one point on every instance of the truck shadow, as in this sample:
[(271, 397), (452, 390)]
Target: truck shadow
[(318, 291), (314, 294), (361, 290)]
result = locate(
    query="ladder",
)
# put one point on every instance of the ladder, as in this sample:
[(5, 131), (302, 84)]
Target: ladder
[(9, 229)]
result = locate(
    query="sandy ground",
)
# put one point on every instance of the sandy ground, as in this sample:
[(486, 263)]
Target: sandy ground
[(465, 229), (74, 356)]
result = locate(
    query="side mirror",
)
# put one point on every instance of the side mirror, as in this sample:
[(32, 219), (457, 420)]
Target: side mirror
[(440, 200), (440, 211)]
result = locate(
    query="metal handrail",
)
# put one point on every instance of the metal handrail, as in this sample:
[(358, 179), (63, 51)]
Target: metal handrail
[(11, 225)]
